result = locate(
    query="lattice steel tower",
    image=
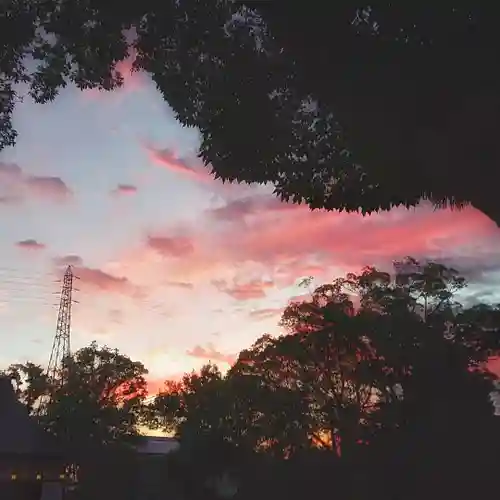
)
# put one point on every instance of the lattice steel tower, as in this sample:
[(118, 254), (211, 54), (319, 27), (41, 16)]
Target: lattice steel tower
[(62, 340)]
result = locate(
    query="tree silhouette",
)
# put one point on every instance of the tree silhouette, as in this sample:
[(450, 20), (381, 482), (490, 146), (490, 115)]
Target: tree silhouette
[(100, 401), (361, 108), (381, 383), (198, 409), (411, 87), (31, 382), (94, 414), (379, 389), (410, 94)]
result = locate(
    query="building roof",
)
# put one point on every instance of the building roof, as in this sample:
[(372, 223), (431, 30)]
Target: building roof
[(149, 445), (20, 434)]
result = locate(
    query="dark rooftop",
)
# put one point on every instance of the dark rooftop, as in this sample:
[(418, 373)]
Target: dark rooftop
[(156, 445), (20, 434)]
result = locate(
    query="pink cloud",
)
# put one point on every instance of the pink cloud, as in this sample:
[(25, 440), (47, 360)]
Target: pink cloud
[(99, 280), (53, 188), (352, 240), (166, 158), (124, 189), (156, 386), (255, 248), (68, 260), (10, 199), (260, 314), (255, 289), (191, 168), (10, 172), (181, 284), (133, 81), (20, 186), (30, 245), (171, 246), (282, 243), (237, 209), (210, 353)]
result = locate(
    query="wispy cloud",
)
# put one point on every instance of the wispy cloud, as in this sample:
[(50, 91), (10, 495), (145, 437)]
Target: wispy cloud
[(10, 199), (124, 189), (53, 188), (30, 244), (68, 260), (173, 246), (102, 281), (255, 289), (266, 313), (10, 172), (238, 209), (18, 186), (210, 353), (284, 243), (181, 284), (166, 158)]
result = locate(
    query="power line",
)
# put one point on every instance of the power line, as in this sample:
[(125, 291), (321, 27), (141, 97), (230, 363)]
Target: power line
[(19, 288), (15, 274)]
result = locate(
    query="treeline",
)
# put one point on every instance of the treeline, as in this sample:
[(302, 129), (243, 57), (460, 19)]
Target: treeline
[(378, 389)]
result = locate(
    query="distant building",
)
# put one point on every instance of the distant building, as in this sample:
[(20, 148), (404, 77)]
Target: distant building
[(31, 465), (154, 480), (157, 445)]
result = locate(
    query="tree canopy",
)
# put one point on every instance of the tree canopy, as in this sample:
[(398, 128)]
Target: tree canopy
[(30, 383), (381, 377), (94, 414), (356, 107), (378, 387), (410, 85), (100, 400)]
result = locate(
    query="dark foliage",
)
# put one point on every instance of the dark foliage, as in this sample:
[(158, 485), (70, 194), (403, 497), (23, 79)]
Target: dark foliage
[(379, 389), (386, 399), (410, 84), (109, 474), (344, 107), (93, 415)]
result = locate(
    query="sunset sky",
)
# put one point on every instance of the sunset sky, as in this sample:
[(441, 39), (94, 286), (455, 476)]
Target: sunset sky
[(175, 268)]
